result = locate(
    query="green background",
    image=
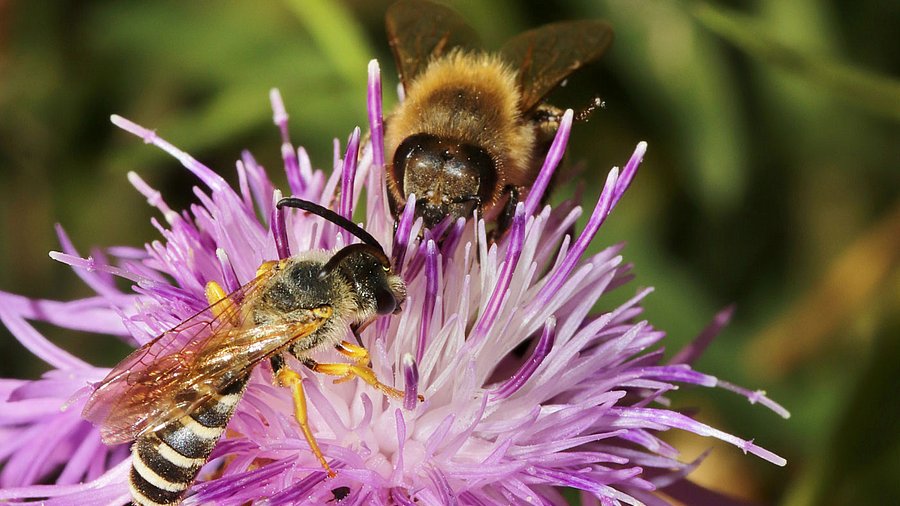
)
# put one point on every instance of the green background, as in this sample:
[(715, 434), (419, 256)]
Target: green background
[(771, 180)]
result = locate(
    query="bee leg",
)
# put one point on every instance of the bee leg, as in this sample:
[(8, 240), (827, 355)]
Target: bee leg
[(358, 354), (355, 329), (350, 371), (290, 378), (505, 220)]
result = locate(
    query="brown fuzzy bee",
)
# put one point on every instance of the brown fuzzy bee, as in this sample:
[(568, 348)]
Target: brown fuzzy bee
[(473, 130)]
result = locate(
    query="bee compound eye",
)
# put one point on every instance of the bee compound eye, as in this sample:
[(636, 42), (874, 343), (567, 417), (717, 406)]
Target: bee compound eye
[(385, 303)]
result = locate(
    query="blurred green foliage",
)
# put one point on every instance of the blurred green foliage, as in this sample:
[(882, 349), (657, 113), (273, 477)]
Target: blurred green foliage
[(771, 179)]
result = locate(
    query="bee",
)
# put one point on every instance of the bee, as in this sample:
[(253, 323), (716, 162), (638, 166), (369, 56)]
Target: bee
[(473, 129), (175, 395)]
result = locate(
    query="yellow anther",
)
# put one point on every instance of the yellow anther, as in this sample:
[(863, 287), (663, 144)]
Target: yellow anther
[(214, 292), (217, 299)]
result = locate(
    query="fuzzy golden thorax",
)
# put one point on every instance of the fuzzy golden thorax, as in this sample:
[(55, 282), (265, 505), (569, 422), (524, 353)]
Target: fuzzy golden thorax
[(465, 101)]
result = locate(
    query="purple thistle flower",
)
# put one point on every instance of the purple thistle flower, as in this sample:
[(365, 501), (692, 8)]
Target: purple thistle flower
[(583, 408)]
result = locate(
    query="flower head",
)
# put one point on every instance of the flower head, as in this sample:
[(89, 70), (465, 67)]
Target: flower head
[(527, 391)]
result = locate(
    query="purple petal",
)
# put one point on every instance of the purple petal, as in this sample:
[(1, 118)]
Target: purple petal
[(514, 250), (554, 155), (38, 344), (279, 231), (696, 347), (348, 175), (376, 118), (210, 178), (411, 382), (513, 384), (296, 180), (431, 278)]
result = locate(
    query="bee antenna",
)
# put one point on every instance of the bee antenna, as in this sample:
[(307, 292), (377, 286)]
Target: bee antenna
[(585, 114), (338, 258), (335, 218)]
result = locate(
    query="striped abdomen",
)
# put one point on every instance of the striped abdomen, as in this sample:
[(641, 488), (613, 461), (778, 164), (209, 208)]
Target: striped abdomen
[(165, 463)]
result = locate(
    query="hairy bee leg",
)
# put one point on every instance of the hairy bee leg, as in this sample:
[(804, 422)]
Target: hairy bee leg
[(504, 221), (358, 354), (350, 371), (355, 329), (290, 378)]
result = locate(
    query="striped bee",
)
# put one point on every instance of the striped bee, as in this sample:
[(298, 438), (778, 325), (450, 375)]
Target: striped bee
[(175, 395)]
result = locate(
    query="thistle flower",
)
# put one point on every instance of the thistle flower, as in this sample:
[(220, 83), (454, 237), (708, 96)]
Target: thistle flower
[(583, 407)]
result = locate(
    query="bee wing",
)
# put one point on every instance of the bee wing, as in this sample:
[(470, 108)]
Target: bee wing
[(419, 31), (182, 368), (548, 54)]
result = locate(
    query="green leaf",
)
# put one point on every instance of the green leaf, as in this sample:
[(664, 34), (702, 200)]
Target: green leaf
[(877, 93), (339, 35)]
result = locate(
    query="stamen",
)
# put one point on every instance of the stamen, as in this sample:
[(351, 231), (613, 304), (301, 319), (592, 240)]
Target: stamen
[(401, 236), (612, 192), (676, 420), (229, 277), (153, 196), (376, 118), (411, 382), (209, 177), (451, 240), (757, 396), (400, 423), (279, 228), (514, 383), (244, 187), (288, 154), (629, 172), (260, 186), (513, 251), (601, 211), (431, 280), (348, 176)]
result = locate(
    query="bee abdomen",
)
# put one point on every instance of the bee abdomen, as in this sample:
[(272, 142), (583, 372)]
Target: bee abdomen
[(165, 463)]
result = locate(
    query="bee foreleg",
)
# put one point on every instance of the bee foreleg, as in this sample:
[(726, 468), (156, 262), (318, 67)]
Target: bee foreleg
[(290, 378), (505, 220), (346, 372), (355, 329), (358, 354)]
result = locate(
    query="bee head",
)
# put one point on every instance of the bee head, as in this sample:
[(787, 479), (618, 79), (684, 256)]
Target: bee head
[(448, 177), (379, 291), (368, 270)]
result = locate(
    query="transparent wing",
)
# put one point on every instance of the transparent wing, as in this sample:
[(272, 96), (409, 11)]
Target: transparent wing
[(172, 375), (548, 54), (419, 31)]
